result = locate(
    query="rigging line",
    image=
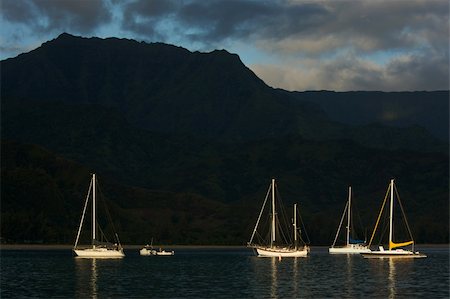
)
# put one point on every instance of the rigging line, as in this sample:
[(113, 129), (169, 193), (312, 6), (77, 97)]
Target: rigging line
[(259, 217), (354, 213), (266, 225), (403, 212), (103, 234), (303, 225), (383, 232), (82, 216), (285, 226), (379, 215), (384, 224), (361, 225), (102, 197), (287, 240), (340, 224)]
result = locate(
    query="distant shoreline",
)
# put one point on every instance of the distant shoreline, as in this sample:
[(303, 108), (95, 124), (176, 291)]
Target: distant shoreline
[(69, 247)]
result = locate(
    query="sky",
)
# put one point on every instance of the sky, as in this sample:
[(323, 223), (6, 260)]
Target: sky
[(341, 45)]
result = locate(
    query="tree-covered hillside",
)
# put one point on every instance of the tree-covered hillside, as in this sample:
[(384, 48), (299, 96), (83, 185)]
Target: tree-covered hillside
[(185, 145)]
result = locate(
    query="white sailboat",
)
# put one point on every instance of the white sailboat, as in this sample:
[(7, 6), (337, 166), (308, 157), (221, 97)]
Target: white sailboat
[(351, 246), (96, 249), (395, 249), (276, 247)]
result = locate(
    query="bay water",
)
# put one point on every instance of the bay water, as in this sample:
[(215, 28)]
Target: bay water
[(228, 272)]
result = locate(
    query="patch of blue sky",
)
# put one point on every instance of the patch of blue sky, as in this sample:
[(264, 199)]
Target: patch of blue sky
[(16, 39), (251, 55), (383, 57)]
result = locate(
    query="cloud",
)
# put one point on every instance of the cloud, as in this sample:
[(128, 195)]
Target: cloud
[(330, 44), (292, 26), (142, 17), (217, 20), (339, 45), (350, 72), (57, 15)]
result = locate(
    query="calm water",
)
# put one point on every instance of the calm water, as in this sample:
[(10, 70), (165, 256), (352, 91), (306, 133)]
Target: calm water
[(221, 273)]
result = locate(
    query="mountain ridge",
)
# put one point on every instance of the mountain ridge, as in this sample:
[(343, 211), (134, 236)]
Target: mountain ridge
[(165, 88), (189, 140)]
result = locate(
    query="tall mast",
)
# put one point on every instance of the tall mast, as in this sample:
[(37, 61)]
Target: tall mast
[(391, 213), (93, 210), (348, 213), (295, 226), (273, 213)]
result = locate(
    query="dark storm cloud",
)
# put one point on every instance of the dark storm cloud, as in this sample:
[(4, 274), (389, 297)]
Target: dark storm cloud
[(306, 44), (216, 20), (60, 15), (142, 17)]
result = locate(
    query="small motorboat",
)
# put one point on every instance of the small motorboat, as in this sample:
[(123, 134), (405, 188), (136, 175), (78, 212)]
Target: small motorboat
[(149, 250)]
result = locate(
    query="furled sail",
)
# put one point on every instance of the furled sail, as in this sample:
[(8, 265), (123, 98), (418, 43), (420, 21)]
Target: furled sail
[(356, 241), (393, 245)]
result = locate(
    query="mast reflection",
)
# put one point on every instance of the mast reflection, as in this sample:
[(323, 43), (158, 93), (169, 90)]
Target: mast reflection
[(87, 275), (274, 276)]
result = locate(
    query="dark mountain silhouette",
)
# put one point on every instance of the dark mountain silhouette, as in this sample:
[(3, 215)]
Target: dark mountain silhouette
[(168, 89), (187, 142), (156, 86), (426, 109)]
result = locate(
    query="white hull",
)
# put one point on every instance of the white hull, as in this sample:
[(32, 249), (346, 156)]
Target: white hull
[(350, 249), (165, 253), (281, 252), (398, 253), (149, 252), (99, 253)]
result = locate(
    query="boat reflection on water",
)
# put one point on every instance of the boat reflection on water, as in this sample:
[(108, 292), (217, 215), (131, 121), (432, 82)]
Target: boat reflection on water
[(268, 271), (274, 276), (399, 270), (296, 265), (87, 277), (349, 261), (389, 272), (94, 276), (391, 278), (90, 273), (278, 278)]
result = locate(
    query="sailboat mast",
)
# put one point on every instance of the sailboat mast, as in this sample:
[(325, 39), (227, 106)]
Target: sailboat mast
[(348, 214), (273, 213), (295, 226), (93, 209), (391, 212)]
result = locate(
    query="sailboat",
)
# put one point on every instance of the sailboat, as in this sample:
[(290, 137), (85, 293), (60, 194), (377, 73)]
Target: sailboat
[(97, 249), (396, 250), (277, 247), (351, 246)]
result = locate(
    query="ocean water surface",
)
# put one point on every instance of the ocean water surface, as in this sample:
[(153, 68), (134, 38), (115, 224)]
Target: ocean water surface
[(222, 273)]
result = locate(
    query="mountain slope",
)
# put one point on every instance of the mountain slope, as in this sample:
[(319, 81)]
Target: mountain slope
[(186, 143), (168, 89), (157, 86), (213, 196), (428, 109)]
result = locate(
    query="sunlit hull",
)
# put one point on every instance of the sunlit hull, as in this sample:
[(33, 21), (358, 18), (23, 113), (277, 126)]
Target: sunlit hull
[(99, 253), (149, 252), (350, 249), (165, 253), (281, 252), (398, 253)]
